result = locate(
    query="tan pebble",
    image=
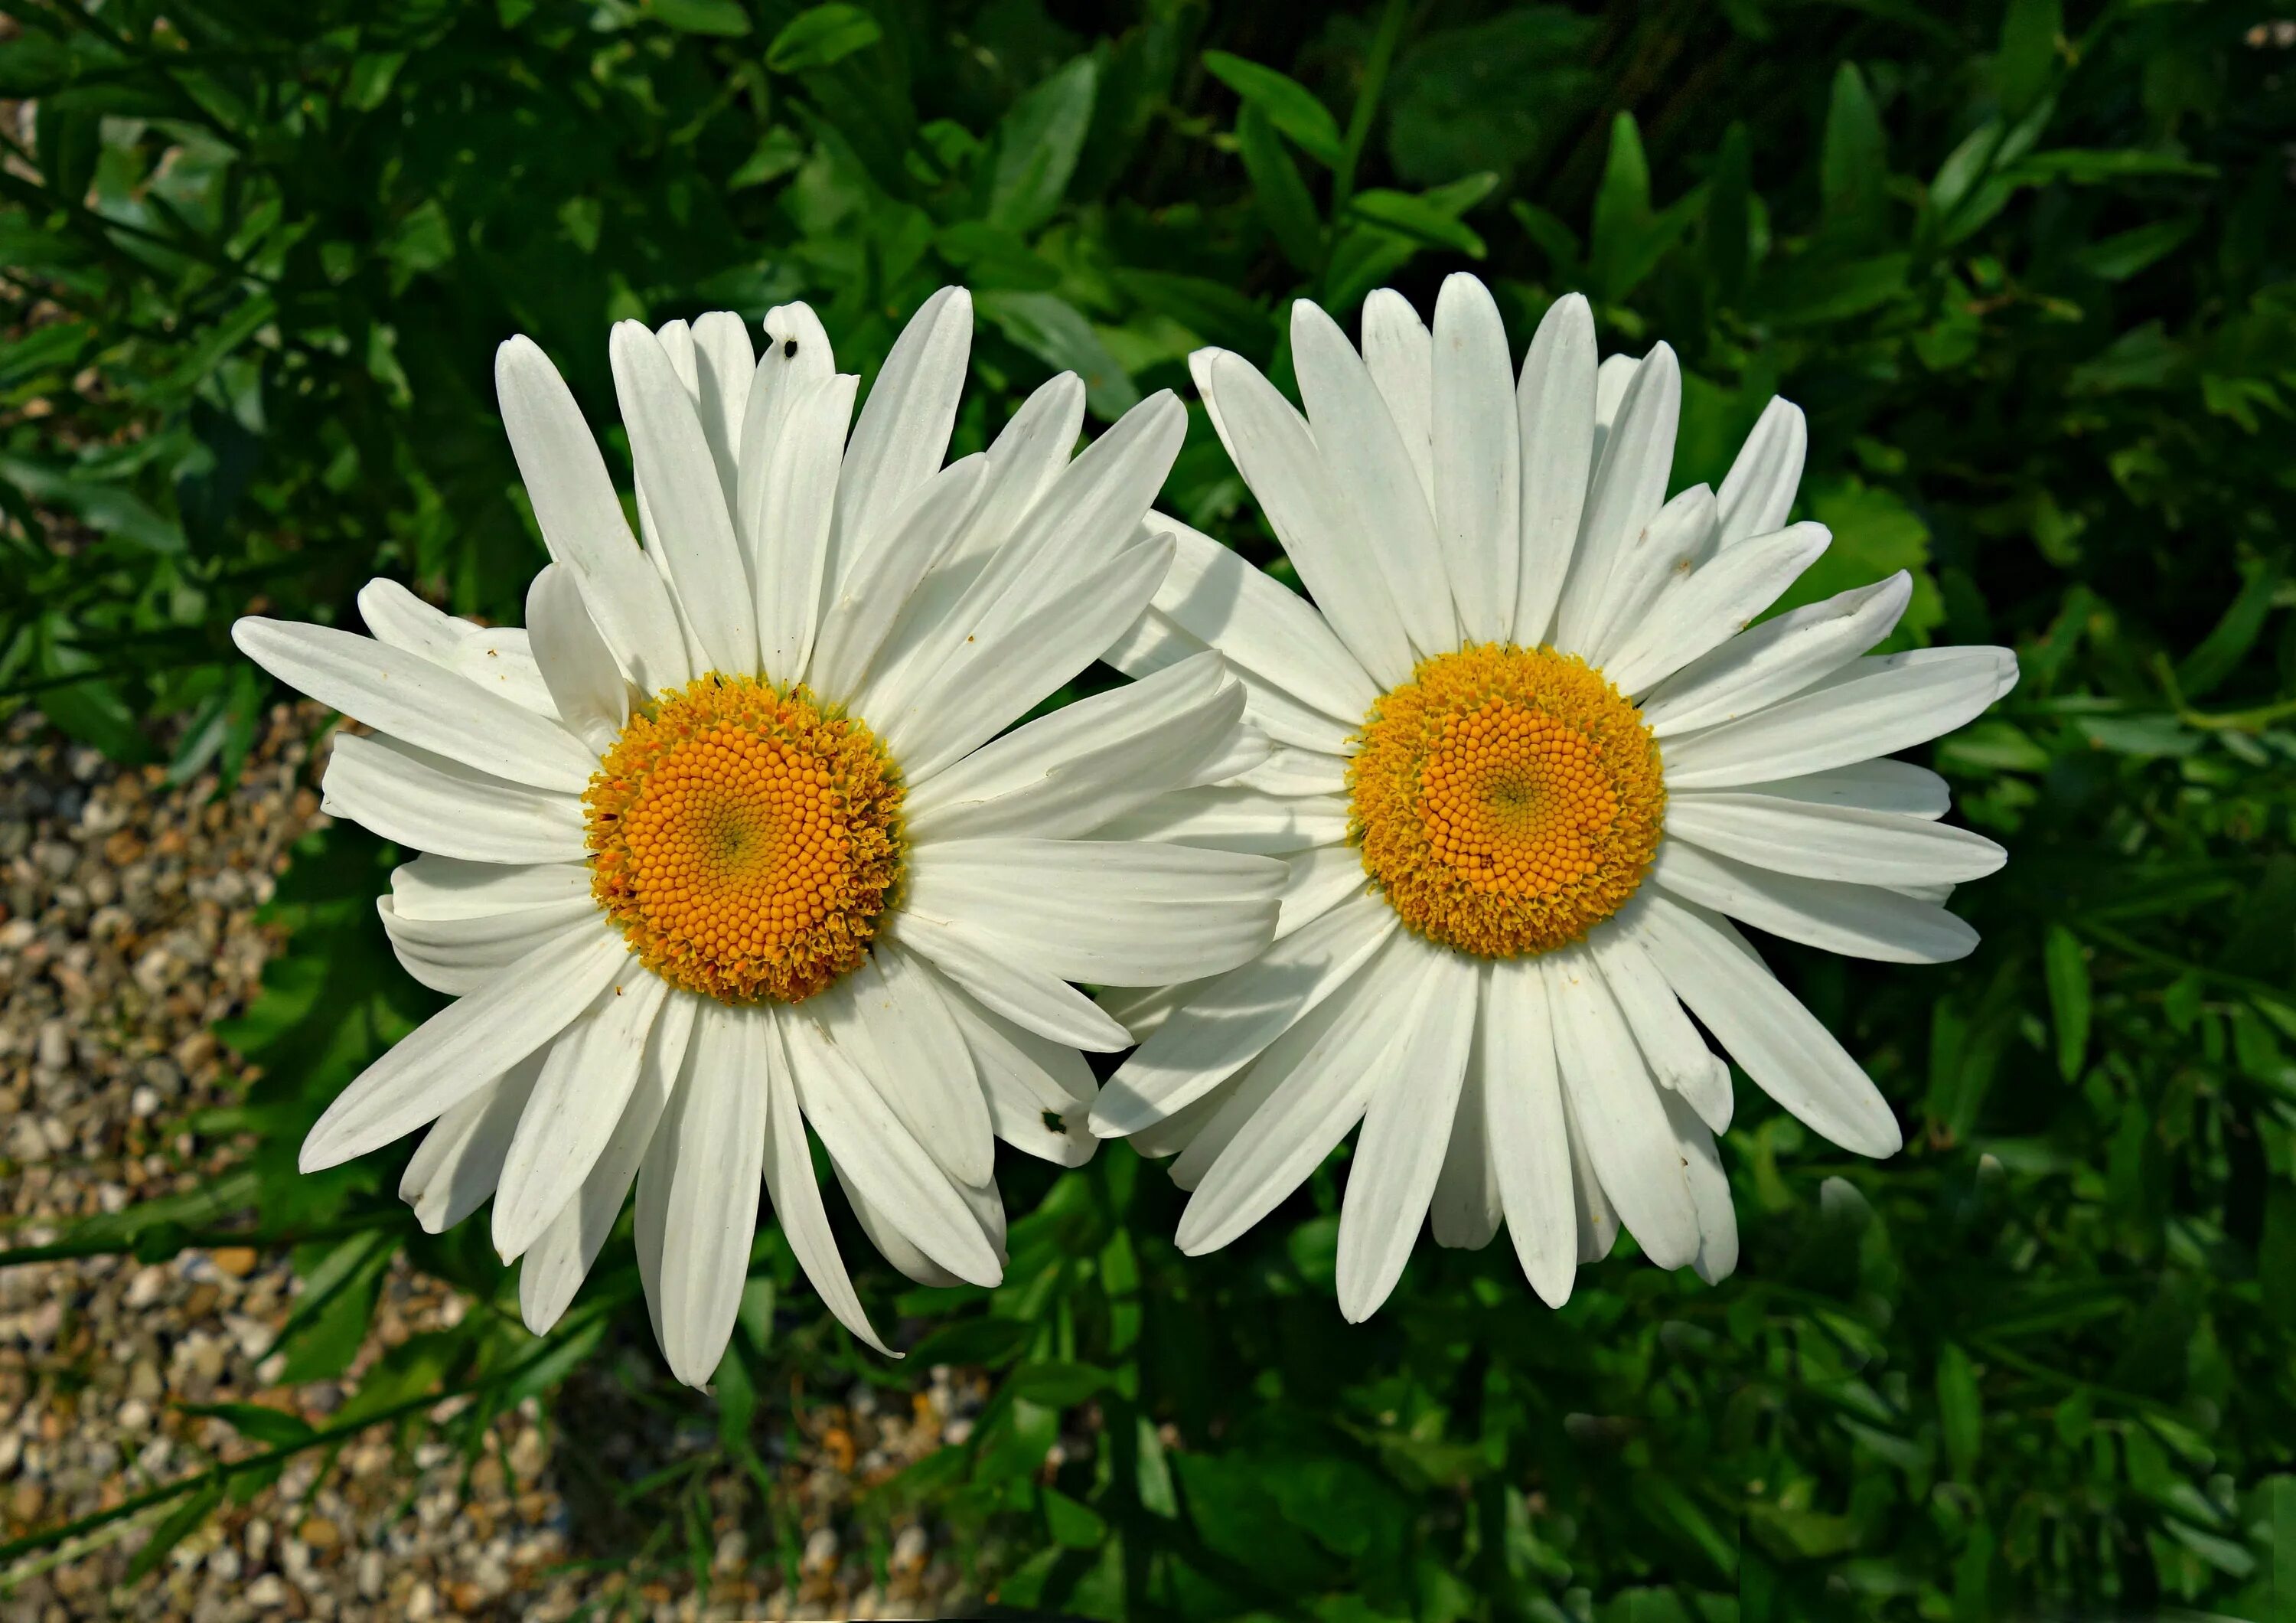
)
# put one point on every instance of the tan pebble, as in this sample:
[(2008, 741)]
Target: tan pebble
[(319, 1533), (238, 1261)]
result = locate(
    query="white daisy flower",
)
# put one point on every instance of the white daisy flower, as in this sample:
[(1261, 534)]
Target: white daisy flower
[(1527, 704), (726, 841)]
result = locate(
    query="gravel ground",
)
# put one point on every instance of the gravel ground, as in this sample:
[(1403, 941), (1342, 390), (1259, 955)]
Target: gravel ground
[(127, 926)]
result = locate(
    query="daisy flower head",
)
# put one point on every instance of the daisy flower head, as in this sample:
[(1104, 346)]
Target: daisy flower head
[(1532, 757), (732, 837)]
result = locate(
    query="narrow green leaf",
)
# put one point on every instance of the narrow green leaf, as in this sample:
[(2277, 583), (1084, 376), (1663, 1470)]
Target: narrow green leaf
[(820, 36), (1853, 159), (1290, 106), (1729, 213), (1416, 218), (1961, 1416), (724, 19), (2220, 652), (180, 1524), (1284, 205), (274, 1428), (2124, 253), (2065, 964), (1049, 327), (1037, 143), (2028, 50)]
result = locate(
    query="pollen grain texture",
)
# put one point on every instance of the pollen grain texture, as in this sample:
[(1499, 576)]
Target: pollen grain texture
[(1505, 800), (745, 840)]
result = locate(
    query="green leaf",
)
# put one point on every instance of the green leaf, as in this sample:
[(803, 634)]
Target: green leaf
[(1062, 1386), (1420, 219), (2028, 50), (1874, 533), (330, 1317), (983, 1341), (1629, 237), (820, 36), (1729, 214), (2206, 667), (723, 19), (1073, 1525), (1049, 327), (1290, 106), (1814, 289), (1284, 205), (1853, 160), (1961, 1415), (1213, 310), (181, 1523), (31, 65), (1037, 143), (68, 141), (2122, 255), (272, 1428), (2066, 963)]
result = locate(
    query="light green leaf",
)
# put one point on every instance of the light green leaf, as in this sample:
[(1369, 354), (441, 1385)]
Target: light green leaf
[(724, 19), (2065, 965), (1050, 328), (1290, 106), (1037, 143), (820, 36), (1282, 195)]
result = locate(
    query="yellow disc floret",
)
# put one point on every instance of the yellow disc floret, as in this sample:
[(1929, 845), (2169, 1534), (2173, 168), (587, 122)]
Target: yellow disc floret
[(746, 840), (1506, 799)]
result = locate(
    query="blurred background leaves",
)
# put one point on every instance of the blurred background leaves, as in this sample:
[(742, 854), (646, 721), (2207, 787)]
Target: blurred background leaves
[(2030, 270)]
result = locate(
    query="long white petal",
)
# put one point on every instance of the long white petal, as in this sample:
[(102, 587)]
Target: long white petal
[(1779, 1043), (1401, 355), (878, 581), (1531, 1142), (1105, 911), (1654, 568), (1709, 1191), (712, 1143), (1306, 1092), (1315, 883), (458, 956), (1039, 1092), (724, 368), (1758, 492), (1715, 604), (1844, 843), (1777, 658), (1677, 1055), (1239, 1015), (692, 524), (893, 1023), (445, 887), (1232, 818), (1377, 483), (1857, 920), (1408, 1124), (1042, 1002), (791, 490), (903, 431), (1872, 786), (1627, 492), (1466, 1211), (1477, 459), (796, 1200), (458, 1049), (885, 1163), (1030, 451), (586, 685), (1882, 706), (555, 1265), (586, 1082), (419, 702), (581, 517), (1272, 446), (1554, 412), (1615, 1105), (497, 658), (427, 801), (455, 1168)]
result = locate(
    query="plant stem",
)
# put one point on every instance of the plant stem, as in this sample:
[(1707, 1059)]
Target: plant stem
[(1359, 121)]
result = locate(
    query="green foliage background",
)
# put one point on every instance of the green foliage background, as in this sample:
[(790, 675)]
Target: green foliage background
[(2032, 275)]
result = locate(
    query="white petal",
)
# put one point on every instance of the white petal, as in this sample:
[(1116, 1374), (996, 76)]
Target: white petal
[(586, 685), (1715, 604), (1001, 679), (1234, 818), (1285, 770), (878, 581), (1652, 571), (1301, 1099), (397, 617), (1153, 643), (1873, 786), (1477, 459), (460, 955), (1066, 773), (460, 1048), (1408, 1124), (1677, 1055), (1774, 1040), (1883, 705), (1627, 492), (454, 1169), (724, 368), (1029, 454), (692, 524), (444, 887), (555, 1265), (1758, 491), (1530, 1143), (1271, 445), (904, 429), (1239, 1015), (887, 1166), (1822, 842), (497, 658), (1615, 1106), (1855, 920), (581, 518), (1466, 1210), (796, 1200), (1189, 1127), (430, 803), (1709, 1191), (1143, 1009), (790, 491), (1779, 657), (1039, 1092), (584, 1085), (1315, 883), (1597, 1223), (1042, 1003), (1103, 911), (1401, 355), (1377, 485), (710, 1148), (1555, 411), (419, 702), (892, 1021), (796, 348)]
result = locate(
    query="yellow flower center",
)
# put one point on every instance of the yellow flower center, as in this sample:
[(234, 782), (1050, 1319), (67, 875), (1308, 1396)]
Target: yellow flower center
[(745, 840), (1506, 800)]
